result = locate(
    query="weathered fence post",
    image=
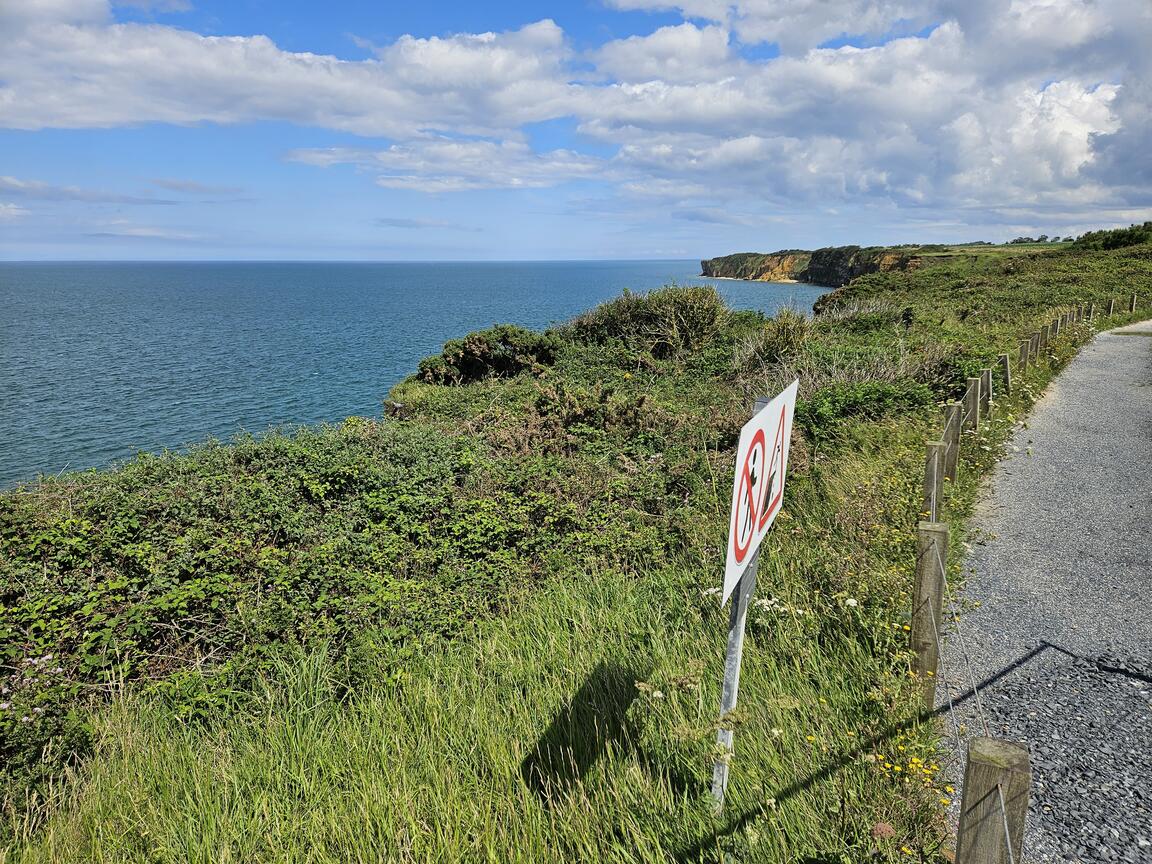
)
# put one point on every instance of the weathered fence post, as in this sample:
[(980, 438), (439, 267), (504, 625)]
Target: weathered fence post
[(1034, 348), (1044, 338), (953, 418), (1111, 306), (1132, 308), (1091, 310), (927, 605), (933, 477), (1024, 352), (986, 392), (1055, 327), (1006, 368), (972, 405), (997, 783)]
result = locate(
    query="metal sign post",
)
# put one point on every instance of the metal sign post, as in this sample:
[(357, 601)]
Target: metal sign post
[(736, 621), (757, 493)]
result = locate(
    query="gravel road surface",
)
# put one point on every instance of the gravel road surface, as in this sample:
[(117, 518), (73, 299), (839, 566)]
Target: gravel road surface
[(1062, 633)]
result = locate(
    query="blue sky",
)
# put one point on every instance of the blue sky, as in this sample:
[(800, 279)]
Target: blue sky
[(254, 129)]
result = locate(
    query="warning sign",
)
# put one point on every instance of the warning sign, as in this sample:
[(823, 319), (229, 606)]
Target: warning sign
[(758, 488)]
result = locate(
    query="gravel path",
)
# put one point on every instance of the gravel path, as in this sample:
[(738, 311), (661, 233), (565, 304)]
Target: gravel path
[(1063, 630)]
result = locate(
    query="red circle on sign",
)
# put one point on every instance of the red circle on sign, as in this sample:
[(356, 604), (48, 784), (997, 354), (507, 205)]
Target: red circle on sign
[(749, 494)]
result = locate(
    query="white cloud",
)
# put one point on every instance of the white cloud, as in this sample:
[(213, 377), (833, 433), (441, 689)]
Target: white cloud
[(48, 192), (796, 25), (447, 165), (9, 212), (157, 5), (684, 53), (1007, 103), (90, 74)]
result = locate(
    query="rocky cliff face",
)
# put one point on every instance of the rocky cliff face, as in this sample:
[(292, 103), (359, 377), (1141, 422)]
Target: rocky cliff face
[(776, 267), (833, 266)]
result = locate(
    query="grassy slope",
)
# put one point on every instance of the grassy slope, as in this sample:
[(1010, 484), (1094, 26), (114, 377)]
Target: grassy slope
[(517, 571)]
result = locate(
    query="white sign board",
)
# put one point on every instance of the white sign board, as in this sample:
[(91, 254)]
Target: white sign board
[(758, 487)]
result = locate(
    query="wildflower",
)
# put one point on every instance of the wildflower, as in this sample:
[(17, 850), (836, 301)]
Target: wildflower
[(4, 706), (897, 768), (945, 801), (851, 603), (656, 694), (810, 738), (949, 789), (37, 710), (906, 850)]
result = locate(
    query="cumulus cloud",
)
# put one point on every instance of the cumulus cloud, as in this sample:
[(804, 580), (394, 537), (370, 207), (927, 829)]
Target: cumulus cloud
[(684, 53), (83, 72), (964, 106)]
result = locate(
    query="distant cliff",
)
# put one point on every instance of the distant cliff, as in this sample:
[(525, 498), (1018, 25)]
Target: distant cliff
[(833, 266)]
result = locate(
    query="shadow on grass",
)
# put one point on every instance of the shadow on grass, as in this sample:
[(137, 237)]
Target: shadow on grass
[(710, 845), (594, 721)]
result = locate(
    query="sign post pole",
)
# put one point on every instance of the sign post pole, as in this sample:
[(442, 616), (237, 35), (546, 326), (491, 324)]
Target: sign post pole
[(736, 621), (757, 492)]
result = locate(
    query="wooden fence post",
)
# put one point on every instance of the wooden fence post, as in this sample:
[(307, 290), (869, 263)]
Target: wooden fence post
[(986, 392), (1044, 338), (1035, 349), (1055, 327), (1091, 310), (927, 606), (997, 783), (1132, 308), (972, 405), (1111, 306), (1024, 354), (1006, 368), (934, 458), (953, 418)]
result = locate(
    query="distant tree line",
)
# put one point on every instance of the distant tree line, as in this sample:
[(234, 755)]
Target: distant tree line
[(1116, 238)]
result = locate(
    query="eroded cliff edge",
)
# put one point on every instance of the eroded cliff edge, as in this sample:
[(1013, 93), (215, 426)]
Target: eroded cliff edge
[(833, 266)]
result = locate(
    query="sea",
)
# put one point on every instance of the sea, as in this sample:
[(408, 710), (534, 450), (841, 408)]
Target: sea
[(99, 361)]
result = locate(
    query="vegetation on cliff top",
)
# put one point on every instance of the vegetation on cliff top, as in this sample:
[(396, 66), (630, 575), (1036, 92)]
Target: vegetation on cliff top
[(487, 630)]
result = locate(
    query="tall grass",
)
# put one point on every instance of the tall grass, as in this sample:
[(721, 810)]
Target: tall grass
[(579, 729)]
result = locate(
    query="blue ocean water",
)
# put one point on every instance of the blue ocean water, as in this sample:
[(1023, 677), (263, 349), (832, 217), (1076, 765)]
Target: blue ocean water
[(101, 360)]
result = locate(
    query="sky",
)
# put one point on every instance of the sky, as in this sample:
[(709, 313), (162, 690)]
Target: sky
[(572, 129)]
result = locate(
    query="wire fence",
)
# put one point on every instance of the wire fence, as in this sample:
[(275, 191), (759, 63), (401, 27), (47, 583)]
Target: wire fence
[(991, 823)]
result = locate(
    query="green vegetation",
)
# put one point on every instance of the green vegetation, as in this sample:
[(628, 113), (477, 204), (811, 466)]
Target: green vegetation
[(488, 630), (1118, 238)]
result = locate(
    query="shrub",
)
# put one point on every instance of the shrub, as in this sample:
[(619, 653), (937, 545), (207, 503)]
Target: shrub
[(866, 400), (1117, 238), (668, 323), (780, 337), (501, 352)]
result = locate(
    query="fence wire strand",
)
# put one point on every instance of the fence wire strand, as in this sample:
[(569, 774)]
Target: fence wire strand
[(1004, 817), (963, 644), (960, 418)]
